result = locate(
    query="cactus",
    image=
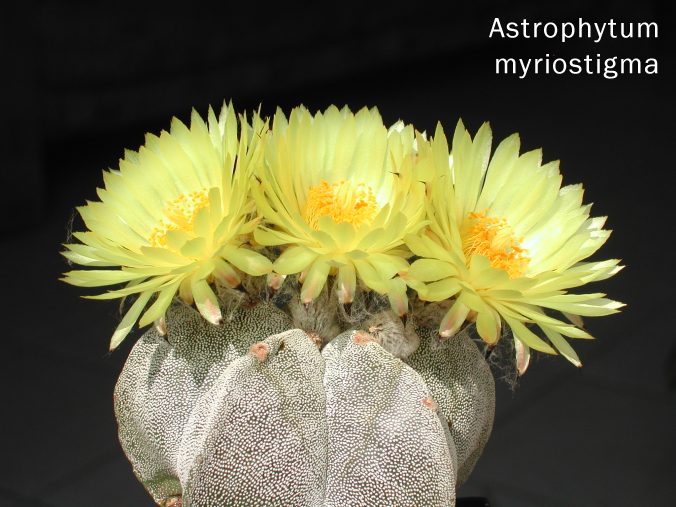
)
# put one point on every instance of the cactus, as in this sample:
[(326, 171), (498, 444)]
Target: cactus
[(332, 365), (267, 410), (164, 377), (460, 381)]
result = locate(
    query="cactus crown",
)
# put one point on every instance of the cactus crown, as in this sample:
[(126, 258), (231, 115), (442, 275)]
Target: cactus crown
[(339, 198)]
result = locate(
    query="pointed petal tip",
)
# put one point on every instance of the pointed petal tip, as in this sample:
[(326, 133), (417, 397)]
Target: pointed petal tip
[(275, 280), (161, 326), (522, 357), (445, 334), (211, 312), (117, 338), (344, 297)]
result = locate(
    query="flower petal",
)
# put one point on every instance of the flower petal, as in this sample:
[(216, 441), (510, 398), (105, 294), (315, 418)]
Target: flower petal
[(159, 307), (294, 260), (127, 322), (346, 283), (454, 319), (314, 281), (430, 270), (206, 301), (248, 261)]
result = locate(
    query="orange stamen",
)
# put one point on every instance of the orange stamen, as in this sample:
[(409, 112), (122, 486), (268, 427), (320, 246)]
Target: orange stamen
[(494, 238), (343, 201), (179, 215)]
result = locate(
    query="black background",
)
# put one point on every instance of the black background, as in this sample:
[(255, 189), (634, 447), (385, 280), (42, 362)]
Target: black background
[(84, 80)]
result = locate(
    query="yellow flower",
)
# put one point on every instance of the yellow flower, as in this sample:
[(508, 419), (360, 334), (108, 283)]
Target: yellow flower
[(174, 218), (339, 189), (506, 241)]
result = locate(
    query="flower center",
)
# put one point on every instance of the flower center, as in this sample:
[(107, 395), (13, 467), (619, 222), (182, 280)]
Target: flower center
[(494, 238), (343, 201), (179, 215)]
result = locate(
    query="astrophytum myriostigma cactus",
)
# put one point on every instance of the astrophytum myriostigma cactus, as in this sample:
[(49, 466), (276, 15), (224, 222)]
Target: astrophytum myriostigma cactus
[(264, 411), (312, 281)]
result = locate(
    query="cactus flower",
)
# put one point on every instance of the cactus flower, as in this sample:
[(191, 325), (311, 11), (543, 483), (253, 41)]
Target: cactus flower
[(340, 190), (506, 241), (173, 218), (290, 403)]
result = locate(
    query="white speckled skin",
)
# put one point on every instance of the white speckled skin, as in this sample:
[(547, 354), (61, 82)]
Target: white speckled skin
[(164, 377), (258, 436), (386, 446), (251, 413), (462, 384)]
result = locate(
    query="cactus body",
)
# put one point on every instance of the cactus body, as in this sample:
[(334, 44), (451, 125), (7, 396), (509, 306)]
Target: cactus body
[(257, 437), (251, 413), (462, 384), (387, 446), (164, 377)]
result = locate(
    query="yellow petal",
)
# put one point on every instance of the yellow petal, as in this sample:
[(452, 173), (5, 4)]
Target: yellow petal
[(98, 277), (185, 290), (248, 261), (314, 281), (521, 332), (159, 307), (152, 285), (129, 318), (294, 260), (387, 265), (430, 270), (440, 290), (346, 282), (194, 248), (488, 325), (522, 353), (206, 301), (454, 319), (370, 276), (593, 307), (271, 237), (562, 346), (225, 273), (396, 293)]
